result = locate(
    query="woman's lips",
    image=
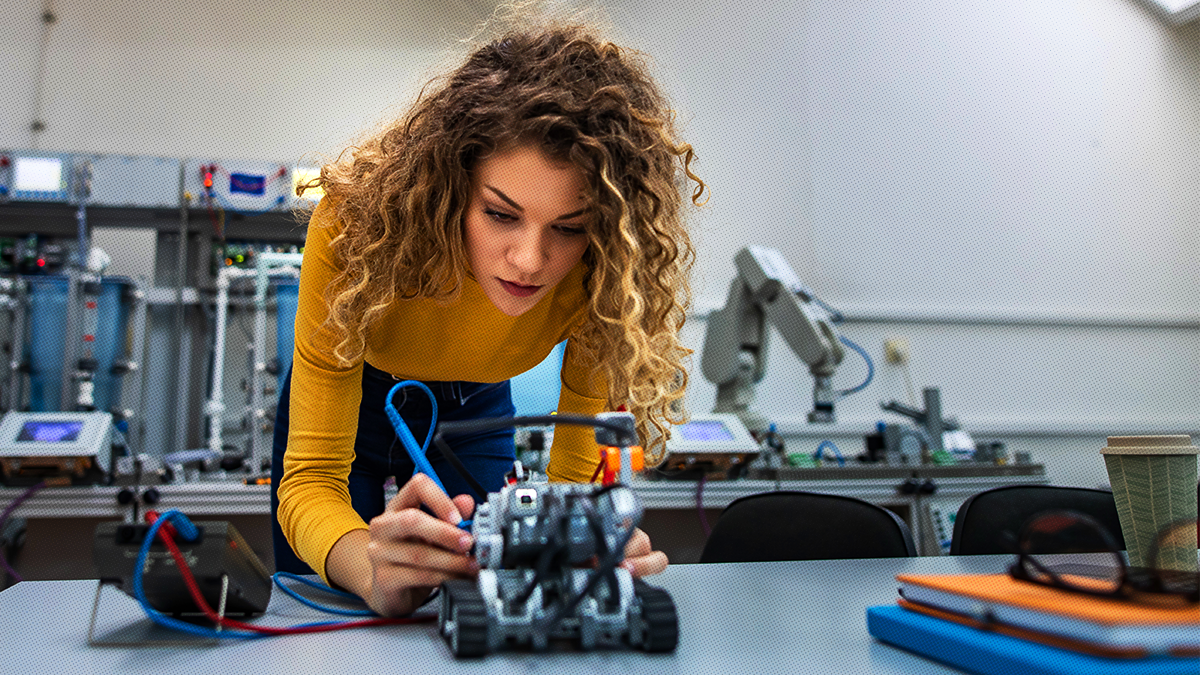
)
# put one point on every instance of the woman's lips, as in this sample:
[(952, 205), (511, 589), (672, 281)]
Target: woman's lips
[(519, 290)]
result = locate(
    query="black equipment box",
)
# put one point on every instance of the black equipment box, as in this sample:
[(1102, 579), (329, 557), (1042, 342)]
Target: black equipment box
[(219, 551)]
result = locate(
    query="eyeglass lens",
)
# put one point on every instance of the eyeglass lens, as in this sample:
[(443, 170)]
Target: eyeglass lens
[(1174, 559), (1061, 533)]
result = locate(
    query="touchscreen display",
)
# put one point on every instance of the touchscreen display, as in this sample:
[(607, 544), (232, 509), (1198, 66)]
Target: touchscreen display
[(705, 431), (50, 432)]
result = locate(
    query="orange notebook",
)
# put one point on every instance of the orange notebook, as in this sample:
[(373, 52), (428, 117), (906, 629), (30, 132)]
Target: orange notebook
[(1170, 626)]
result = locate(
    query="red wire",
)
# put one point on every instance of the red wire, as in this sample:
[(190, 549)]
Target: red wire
[(166, 531), (599, 468)]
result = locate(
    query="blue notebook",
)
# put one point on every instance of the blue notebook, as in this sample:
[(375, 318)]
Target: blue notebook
[(985, 653)]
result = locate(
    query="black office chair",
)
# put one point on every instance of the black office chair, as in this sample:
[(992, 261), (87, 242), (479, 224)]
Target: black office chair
[(983, 519), (805, 526)]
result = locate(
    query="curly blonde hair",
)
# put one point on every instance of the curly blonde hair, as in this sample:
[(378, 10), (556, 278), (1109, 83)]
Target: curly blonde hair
[(403, 195)]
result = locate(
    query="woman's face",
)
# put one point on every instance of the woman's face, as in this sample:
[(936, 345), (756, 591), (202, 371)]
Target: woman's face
[(524, 227)]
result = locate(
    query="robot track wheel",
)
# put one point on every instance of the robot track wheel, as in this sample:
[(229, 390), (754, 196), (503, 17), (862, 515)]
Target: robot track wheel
[(658, 614), (463, 619)]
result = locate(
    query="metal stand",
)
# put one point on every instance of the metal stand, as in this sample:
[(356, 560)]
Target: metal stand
[(142, 632), (135, 369), (216, 404), (266, 265)]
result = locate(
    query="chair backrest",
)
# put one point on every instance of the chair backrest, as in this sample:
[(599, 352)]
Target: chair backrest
[(805, 526), (983, 519)]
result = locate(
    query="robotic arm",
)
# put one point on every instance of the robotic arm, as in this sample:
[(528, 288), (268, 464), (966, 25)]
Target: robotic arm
[(735, 343)]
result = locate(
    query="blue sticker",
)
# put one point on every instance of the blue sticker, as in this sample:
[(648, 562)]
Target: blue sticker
[(246, 184)]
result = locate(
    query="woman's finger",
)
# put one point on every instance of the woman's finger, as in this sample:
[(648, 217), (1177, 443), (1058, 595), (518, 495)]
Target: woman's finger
[(643, 566), (419, 556), (413, 524), (639, 544), (420, 490), (465, 505)]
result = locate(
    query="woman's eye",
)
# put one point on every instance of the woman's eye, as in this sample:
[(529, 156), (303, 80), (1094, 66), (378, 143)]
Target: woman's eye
[(498, 216), (570, 231)]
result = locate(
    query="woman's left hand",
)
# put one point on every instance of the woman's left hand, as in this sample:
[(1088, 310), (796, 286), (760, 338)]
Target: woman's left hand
[(642, 560)]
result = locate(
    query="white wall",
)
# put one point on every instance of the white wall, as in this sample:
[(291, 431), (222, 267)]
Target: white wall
[(1013, 187), (265, 80), (934, 154)]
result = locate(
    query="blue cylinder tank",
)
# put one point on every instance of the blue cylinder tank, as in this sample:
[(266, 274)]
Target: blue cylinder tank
[(47, 341)]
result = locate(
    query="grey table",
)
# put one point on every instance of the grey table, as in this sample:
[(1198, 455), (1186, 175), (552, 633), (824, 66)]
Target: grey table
[(789, 617)]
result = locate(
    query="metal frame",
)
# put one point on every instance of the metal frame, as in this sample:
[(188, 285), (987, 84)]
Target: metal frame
[(175, 639), (216, 404), (263, 264), (13, 300), (134, 383)]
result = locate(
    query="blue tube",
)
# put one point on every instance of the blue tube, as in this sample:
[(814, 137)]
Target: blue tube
[(48, 328), (287, 300), (837, 453), (279, 576), (420, 461), (870, 368)]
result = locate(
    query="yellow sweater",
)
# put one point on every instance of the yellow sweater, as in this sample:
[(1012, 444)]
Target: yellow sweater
[(467, 340)]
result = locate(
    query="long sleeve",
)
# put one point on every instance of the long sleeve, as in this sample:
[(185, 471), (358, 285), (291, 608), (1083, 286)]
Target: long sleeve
[(574, 454), (314, 499)]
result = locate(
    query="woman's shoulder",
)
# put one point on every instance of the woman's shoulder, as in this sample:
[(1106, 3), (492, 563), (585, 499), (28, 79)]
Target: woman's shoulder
[(325, 223), (326, 213)]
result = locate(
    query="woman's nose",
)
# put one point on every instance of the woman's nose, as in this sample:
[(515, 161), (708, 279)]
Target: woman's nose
[(528, 252)]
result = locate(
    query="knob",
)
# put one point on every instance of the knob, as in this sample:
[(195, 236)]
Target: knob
[(231, 463), (125, 496), (151, 496)]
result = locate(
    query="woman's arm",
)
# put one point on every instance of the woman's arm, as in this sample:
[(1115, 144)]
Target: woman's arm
[(395, 561), (575, 455), (314, 500)]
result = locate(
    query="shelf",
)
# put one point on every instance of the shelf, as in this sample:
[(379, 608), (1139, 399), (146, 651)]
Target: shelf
[(19, 219)]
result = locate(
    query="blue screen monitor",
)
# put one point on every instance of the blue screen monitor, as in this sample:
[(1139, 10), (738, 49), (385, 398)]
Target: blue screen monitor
[(50, 432), (705, 431)]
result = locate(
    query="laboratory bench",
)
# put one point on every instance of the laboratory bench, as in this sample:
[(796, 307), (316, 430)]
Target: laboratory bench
[(677, 512), (776, 617)]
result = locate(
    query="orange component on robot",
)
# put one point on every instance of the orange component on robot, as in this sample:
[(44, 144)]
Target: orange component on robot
[(612, 458)]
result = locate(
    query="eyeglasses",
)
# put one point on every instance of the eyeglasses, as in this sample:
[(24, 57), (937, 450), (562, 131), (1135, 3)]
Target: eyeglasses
[(1172, 561)]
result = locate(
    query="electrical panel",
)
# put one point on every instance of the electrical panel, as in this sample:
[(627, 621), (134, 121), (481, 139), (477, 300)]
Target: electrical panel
[(240, 186), (146, 182), (36, 177), (302, 175), (35, 254), (103, 180), (154, 182), (240, 253)]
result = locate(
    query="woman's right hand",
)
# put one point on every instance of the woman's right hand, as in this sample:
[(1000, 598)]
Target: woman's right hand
[(411, 552)]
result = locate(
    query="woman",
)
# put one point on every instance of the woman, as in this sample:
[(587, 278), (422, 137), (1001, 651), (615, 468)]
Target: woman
[(530, 196)]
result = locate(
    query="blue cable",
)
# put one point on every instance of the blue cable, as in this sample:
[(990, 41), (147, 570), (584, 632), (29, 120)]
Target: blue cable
[(342, 594), (870, 369), (420, 461), (837, 453), (322, 587)]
